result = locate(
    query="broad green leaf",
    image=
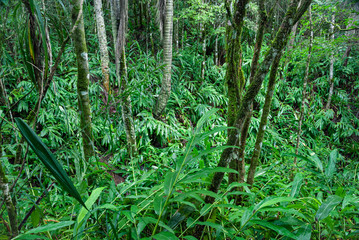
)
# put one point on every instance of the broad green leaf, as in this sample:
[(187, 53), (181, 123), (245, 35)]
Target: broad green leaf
[(50, 227), (169, 182), (89, 203), (314, 157), (327, 206), (297, 183), (270, 201), (48, 159), (331, 164), (27, 237), (304, 233), (165, 236), (158, 204), (205, 118), (190, 238), (180, 215), (279, 229), (248, 214)]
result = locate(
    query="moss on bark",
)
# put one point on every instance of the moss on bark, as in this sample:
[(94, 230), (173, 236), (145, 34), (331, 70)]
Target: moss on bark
[(83, 77)]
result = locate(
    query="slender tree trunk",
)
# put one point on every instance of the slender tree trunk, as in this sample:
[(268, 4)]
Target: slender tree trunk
[(305, 83), (83, 78), (204, 49), (264, 119), (331, 67), (292, 16), (11, 209), (167, 59), (121, 72), (239, 164), (216, 51), (101, 33)]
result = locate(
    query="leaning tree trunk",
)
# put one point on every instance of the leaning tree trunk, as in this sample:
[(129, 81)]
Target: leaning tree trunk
[(167, 60), (101, 33), (331, 68), (83, 78), (121, 8), (305, 83), (292, 16), (264, 119)]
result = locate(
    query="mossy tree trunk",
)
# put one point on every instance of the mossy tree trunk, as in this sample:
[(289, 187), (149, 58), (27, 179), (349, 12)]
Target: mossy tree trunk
[(83, 78), (264, 119), (305, 83), (234, 74), (167, 60), (11, 210), (121, 8), (101, 33), (239, 163), (293, 14)]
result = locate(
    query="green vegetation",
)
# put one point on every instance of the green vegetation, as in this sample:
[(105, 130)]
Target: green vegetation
[(221, 120)]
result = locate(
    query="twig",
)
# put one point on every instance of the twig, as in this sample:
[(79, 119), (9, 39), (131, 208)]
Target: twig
[(33, 207)]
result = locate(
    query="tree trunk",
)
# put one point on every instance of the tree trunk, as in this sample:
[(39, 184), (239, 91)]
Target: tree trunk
[(264, 119), (305, 83), (11, 210), (331, 68), (121, 73), (101, 33), (167, 59), (292, 16), (83, 78), (239, 164)]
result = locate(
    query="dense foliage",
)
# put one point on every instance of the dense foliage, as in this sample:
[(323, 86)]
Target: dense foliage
[(159, 192)]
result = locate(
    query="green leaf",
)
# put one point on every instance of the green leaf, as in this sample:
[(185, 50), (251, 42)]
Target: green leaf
[(331, 164), (270, 201), (89, 203), (305, 232), (297, 183), (158, 204), (169, 182), (50, 227), (48, 159), (327, 206), (27, 237), (165, 236), (279, 229)]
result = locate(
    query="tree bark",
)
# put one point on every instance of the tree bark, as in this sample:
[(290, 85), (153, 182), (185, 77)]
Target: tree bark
[(239, 164), (264, 119), (83, 78), (101, 34), (331, 67), (11, 210), (121, 73), (292, 16), (167, 59), (305, 83)]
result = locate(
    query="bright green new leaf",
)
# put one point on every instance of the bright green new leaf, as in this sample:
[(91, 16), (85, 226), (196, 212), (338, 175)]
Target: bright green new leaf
[(48, 159), (89, 203)]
